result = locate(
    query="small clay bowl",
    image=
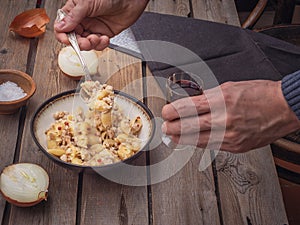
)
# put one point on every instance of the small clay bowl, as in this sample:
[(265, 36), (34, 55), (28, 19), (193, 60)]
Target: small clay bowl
[(24, 81)]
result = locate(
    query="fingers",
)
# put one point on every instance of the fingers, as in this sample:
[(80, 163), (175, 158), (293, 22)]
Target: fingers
[(62, 37), (75, 14), (93, 41), (100, 44), (91, 33), (207, 111), (213, 140), (192, 139), (204, 139), (198, 120), (187, 125), (186, 107)]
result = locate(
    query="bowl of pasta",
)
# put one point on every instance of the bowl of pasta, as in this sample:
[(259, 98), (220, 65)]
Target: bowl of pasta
[(107, 129)]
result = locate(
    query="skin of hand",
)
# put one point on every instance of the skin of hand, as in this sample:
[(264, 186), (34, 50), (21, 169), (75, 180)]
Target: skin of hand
[(256, 114), (95, 21)]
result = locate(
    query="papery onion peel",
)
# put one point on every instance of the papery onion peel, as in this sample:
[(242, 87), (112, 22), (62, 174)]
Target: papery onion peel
[(69, 63), (24, 184), (30, 23)]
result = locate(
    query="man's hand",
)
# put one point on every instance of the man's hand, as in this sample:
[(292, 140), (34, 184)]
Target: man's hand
[(255, 114), (95, 21)]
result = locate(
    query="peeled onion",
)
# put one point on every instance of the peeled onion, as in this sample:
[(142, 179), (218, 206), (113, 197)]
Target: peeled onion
[(24, 184), (70, 65), (30, 23)]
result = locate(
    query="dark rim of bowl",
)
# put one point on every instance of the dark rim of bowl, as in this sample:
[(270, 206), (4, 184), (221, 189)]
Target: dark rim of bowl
[(56, 159)]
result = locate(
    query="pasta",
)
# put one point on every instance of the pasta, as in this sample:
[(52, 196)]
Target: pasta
[(102, 135)]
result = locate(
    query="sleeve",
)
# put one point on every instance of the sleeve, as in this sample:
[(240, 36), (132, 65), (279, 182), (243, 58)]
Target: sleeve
[(291, 90)]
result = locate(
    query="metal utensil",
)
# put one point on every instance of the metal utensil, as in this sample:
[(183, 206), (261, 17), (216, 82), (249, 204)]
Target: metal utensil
[(73, 40), (74, 43)]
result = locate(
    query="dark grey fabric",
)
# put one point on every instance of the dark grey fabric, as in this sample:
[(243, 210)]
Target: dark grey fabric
[(232, 53)]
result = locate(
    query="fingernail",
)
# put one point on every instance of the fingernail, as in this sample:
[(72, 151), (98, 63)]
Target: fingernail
[(60, 25)]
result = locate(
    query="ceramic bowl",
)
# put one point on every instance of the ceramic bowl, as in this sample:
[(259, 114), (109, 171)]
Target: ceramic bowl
[(22, 80), (69, 101)]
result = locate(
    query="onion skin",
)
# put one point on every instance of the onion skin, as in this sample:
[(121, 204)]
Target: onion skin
[(24, 204), (30, 23), (24, 176)]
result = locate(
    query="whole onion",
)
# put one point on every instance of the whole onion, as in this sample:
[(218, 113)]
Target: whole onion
[(24, 184)]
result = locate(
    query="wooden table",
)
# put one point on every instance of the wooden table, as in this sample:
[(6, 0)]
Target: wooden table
[(235, 189)]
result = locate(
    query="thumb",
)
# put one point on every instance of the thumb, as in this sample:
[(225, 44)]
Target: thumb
[(74, 16)]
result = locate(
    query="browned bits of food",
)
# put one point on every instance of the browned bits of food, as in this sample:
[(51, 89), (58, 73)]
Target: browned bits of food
[(100, 136)]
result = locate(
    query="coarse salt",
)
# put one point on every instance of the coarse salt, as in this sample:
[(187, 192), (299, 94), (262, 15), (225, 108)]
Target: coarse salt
[(10, 91)]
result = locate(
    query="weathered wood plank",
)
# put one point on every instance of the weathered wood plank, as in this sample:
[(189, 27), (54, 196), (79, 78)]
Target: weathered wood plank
[(122, 71), (186, 196), (11, 58), (248, 184), (61, 205), (221, 11), (179, 7), (105, 201)]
